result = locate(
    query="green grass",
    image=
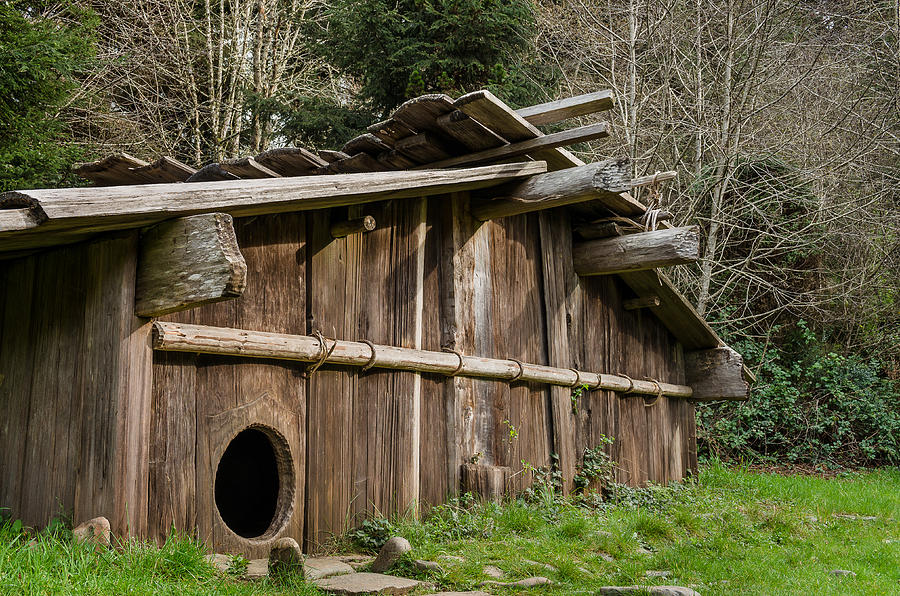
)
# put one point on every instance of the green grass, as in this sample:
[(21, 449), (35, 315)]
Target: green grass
[(50, 563), (732, 531)]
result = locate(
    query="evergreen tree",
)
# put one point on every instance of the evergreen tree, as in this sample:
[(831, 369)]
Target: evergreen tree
[(398, 49), (38, 58)]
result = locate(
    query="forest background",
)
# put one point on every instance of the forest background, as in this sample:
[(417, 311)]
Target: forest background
[(782, 118)]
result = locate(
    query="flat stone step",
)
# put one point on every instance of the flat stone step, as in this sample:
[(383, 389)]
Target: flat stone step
[(321, 567), (367, 583)]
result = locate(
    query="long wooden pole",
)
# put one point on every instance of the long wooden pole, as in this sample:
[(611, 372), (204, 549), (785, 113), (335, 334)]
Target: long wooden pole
[(181, 337)]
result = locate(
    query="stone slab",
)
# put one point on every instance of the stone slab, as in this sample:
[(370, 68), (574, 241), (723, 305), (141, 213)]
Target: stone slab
[(366, 583), (321, 567)]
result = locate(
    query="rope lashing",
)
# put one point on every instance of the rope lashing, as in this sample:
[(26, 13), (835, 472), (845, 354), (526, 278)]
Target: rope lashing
[(323, 354), (371, 361), (518, 374), (651, 216), (459, 366)]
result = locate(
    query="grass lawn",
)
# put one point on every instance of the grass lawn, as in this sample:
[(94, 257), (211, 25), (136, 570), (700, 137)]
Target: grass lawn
[(731, 531)]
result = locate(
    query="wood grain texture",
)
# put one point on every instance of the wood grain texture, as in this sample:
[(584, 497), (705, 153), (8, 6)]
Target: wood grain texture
[(559, 284), (75, 392), (200, 401), (76, 211), (637, 252), (291, 161), (468, 132), (186, 262), (368, 286), (486, 108), (535, 147), (570, 107), (675, 311), (716, 374), (601, 181)]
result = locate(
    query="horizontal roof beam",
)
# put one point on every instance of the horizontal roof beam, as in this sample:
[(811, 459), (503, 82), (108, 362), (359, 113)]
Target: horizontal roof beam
[(73, 213)]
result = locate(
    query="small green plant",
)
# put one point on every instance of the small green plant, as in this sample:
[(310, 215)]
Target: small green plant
[(576, 393), (371, 534), (237, 565), (597, 467)]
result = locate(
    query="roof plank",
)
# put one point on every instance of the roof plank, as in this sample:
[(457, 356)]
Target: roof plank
[(73, 212)]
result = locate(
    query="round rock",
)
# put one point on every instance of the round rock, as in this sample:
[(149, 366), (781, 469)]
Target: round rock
[(95, 531), (285, 556), (392, 550)]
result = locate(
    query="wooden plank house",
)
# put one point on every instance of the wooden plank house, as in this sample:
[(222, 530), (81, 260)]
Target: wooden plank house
[(280, 345)]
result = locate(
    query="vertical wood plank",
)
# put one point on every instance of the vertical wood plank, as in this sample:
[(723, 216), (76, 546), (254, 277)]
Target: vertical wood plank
[(559, 283), (16, 362)]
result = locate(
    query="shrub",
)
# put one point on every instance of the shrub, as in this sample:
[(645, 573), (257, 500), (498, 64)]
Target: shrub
[(810, 404)]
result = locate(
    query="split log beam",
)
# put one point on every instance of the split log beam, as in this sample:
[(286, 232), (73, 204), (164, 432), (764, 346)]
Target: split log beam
[(352, 226), (538, 144), (563, 109), (424, 148), (636, 252), (75, 212), (187, 262), (203, 339), (637, 303), (603, 229), (601, 180), (716, 374)]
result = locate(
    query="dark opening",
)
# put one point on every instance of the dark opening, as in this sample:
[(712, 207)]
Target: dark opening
[(247, 484)]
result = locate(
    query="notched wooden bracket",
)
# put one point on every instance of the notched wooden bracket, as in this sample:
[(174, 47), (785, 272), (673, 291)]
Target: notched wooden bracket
[(186, 262), (716, 374)]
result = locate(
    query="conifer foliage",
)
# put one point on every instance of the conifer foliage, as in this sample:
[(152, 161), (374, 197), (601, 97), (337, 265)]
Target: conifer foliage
[(39, 55), (398, 49)]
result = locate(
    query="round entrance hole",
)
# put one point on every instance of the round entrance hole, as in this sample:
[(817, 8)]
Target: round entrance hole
[(255, 483)]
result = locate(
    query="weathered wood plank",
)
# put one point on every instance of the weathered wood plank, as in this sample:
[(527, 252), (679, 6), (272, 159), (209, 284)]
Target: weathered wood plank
[(112, 170), (361, 162), (675, 311), (716, 374), (247, 168), (186, 262), (487, 482), (390, 131), (213, 172), (570, 107), (636, 252), (394, 160), (487, 109), (602, 180), (365, 143), (535, 147), (559, 283), (80, 210), (593, 231), (470, 133), (424, 148), (164, 169), (332, 156), (291, 161), (236, 393)]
